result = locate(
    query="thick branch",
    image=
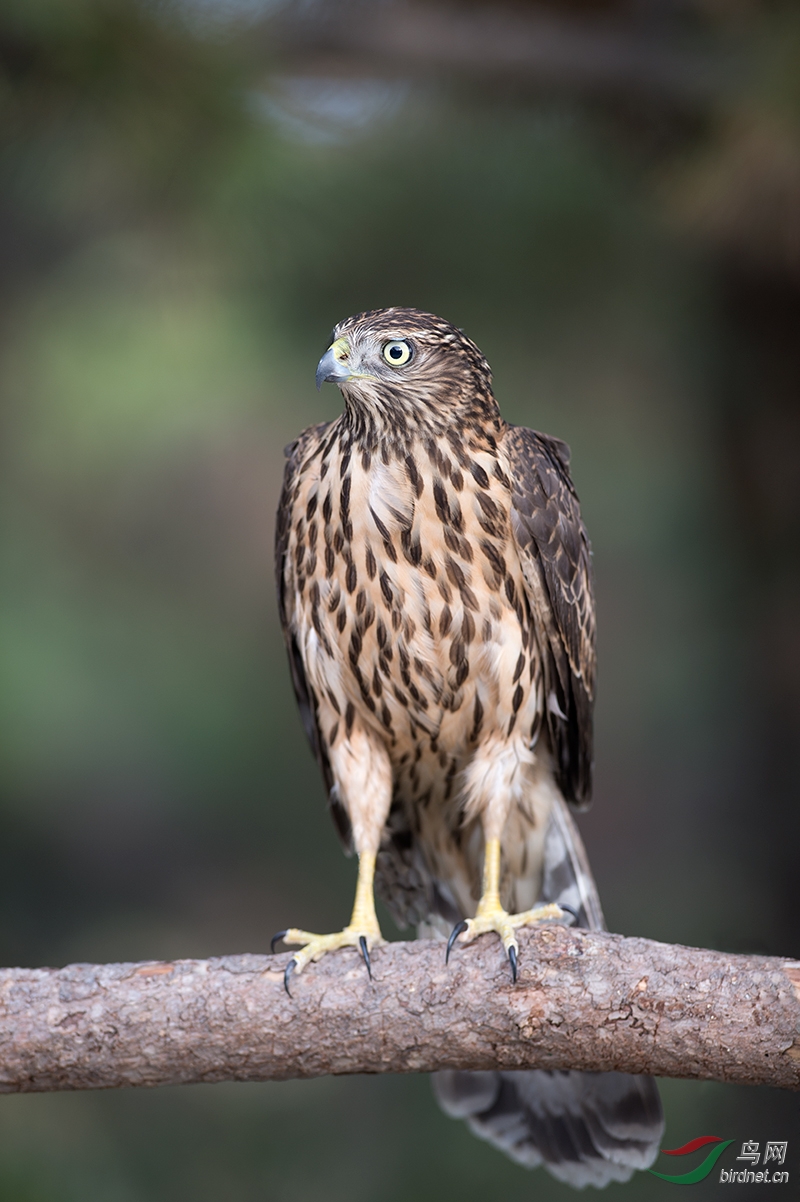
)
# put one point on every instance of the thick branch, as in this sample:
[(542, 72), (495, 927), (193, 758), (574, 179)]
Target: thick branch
[(587, 1001)]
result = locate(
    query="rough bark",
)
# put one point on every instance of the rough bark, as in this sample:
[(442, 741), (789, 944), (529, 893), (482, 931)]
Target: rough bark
[(587, 1001)]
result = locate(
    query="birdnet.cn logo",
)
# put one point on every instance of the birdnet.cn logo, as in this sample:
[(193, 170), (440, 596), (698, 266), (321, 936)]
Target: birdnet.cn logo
[(769, 1172)]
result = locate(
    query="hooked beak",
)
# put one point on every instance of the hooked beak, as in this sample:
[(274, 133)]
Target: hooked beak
[(334, 366)]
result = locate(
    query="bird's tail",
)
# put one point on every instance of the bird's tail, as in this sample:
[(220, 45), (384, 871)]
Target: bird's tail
[(585, 1128)]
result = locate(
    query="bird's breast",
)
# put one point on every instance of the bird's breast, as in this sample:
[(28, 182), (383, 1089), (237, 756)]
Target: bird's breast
[(409, 602)]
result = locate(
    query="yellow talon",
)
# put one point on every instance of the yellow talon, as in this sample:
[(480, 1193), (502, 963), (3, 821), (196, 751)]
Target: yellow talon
[(490, 915), (315, 946), (505, 924), (362, 931)]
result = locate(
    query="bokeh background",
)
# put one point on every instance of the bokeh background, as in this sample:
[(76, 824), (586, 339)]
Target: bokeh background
[(607, 197)]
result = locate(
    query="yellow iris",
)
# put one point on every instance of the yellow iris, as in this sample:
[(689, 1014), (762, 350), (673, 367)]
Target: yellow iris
[(397, 353)]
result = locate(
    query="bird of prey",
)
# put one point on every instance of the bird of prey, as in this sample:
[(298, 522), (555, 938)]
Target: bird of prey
[(435, 591)]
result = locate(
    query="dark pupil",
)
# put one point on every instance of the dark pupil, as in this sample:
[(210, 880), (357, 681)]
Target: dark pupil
[(396, 352)]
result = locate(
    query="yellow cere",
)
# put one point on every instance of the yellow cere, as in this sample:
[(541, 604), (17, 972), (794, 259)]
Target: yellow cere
[(341, 350)]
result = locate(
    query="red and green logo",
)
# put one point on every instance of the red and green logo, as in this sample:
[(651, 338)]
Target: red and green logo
[(701, 1170)]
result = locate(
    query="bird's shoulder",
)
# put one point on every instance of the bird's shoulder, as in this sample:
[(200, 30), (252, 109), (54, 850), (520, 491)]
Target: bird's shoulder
[(556, 558), (547, 524), (538, 459), (299, 453), (307, 444)]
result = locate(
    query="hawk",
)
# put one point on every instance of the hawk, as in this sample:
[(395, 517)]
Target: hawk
[(435, 592)]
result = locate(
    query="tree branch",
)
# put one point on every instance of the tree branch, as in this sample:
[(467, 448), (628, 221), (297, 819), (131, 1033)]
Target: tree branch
[(584, 1000)]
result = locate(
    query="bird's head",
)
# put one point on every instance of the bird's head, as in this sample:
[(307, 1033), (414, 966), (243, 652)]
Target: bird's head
[(407, 367)]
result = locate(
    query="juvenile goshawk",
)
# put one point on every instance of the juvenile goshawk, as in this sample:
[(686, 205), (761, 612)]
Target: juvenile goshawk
[(435, 591)]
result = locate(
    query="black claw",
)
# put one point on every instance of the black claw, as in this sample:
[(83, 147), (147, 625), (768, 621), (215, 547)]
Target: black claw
[(512, 959), (569, 910), (362, 943), (290, 967), (457, 930), (276, 939)]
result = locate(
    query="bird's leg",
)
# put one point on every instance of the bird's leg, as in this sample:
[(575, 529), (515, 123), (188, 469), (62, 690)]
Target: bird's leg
[(362, 931), (490, 915), (363, 773)]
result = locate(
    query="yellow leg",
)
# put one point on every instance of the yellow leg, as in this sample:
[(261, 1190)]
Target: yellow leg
[(362, 931), (490, 915)]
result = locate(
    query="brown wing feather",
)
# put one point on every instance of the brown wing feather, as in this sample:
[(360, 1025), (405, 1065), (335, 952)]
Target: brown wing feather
[(557, 564), (297, 454)]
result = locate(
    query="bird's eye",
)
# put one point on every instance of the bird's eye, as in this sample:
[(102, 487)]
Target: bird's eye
[(397, 353)]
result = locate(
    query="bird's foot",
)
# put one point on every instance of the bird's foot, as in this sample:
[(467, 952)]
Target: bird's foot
[(492, 917), (364, 936)]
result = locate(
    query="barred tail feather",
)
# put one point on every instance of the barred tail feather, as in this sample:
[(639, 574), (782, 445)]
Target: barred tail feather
[(585, 1128), (566, 876)]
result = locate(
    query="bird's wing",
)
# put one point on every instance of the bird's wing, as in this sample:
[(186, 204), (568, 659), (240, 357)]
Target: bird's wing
[(557, 566), (297, 456)]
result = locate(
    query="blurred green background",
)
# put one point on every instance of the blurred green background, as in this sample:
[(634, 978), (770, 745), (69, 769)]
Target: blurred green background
[(607, 198)]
